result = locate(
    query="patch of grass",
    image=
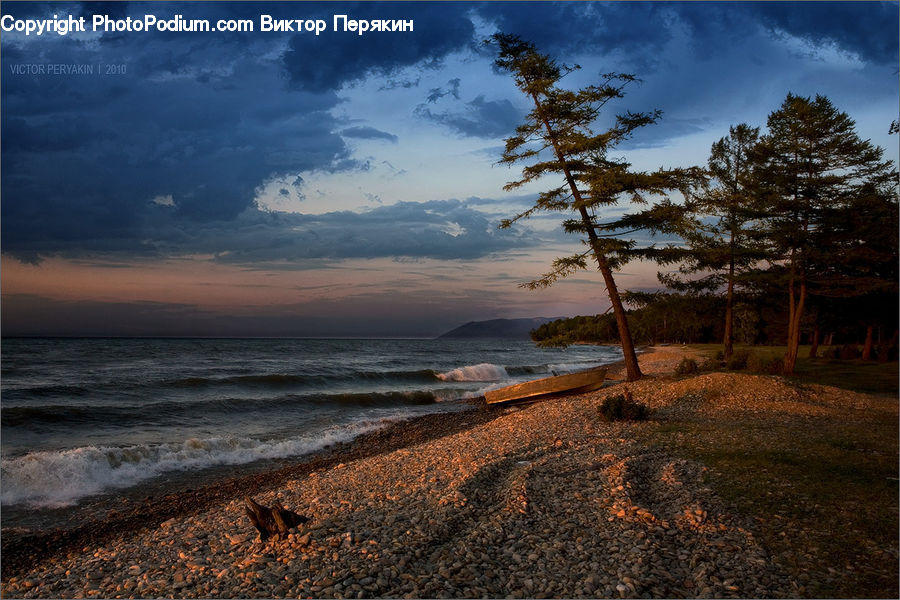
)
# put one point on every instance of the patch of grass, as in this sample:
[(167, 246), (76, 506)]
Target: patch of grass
[(870, 377), (858, 375), (824, 494)]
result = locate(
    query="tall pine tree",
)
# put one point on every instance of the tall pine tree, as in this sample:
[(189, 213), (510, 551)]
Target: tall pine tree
[(813, 167), (558, 138), (720, 241)]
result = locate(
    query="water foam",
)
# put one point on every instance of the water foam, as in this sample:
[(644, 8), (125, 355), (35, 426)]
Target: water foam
[(480, 372), (53, 479)]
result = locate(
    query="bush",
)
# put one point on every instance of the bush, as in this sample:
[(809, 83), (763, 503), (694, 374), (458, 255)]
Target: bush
[(738, 360), (710, 364), (686, 366), (757, 363), (623, 408)]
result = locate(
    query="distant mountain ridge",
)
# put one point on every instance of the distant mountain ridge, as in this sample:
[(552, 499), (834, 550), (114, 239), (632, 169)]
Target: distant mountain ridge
[(511, 329)]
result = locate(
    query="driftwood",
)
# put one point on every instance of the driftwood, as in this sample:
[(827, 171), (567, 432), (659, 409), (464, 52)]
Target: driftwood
[(272, 521)]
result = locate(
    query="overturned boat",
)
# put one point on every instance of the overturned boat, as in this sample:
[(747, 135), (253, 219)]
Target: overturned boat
[(559, 385)]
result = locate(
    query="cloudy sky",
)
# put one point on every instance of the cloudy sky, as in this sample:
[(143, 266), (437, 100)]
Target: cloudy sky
[(284, 183)]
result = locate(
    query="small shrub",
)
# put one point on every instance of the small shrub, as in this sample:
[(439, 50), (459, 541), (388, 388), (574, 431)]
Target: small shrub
[(687, 366), (623, 408), (710, 364), (720, 355), (738, 360), (756, 363)]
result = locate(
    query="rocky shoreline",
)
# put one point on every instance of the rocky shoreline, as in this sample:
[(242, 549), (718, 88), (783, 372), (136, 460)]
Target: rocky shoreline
[(23, 550), (547, 500)]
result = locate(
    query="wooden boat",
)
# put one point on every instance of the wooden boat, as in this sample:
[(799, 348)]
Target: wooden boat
[(572, 383)]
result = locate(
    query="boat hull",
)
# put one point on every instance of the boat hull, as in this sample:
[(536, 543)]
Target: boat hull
[(572, 383)]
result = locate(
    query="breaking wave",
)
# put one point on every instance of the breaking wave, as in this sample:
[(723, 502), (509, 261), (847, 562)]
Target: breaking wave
[(481, 372), (53, 479), (123, 415)]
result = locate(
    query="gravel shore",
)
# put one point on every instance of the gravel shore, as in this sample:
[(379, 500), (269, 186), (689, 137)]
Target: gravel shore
[(546, 500)]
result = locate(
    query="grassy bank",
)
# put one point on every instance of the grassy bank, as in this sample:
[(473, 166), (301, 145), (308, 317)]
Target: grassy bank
[(823, 489), (866, 376)]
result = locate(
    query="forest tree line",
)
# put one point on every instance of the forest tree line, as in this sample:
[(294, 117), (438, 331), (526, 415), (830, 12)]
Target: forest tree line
[(674, 318), (804, 217)]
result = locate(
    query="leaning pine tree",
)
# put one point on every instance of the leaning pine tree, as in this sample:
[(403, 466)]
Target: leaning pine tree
[(558, 137)]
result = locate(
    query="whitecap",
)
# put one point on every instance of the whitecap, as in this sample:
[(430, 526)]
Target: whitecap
[(480, 372)]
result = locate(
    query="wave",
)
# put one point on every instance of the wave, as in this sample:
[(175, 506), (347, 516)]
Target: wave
[(21, 415), (492, 372), (54, 479), (175, 412), (270, 380), (48, 390), (480, 372), (287, 380)]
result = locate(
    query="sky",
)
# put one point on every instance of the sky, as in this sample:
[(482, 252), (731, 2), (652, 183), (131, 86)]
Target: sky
[(284, 183)]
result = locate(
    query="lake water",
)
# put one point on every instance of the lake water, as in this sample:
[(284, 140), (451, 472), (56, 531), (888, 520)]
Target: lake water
[(83, 418)]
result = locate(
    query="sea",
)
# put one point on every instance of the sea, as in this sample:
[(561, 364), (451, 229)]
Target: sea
[(85, 419)]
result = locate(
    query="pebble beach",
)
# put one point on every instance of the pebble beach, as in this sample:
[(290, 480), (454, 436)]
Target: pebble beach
[(539, 501)]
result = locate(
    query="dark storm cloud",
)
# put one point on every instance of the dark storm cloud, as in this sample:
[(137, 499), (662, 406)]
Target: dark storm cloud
[(205, 120), (639, 30), (83, 157), (450, 229), (440, 28), (868, 29), (478, 118), (368, 133)]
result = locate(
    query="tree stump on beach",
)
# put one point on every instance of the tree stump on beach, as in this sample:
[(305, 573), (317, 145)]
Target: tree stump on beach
[(271, 521)]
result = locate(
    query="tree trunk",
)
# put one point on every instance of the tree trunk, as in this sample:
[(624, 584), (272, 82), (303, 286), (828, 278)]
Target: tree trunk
[(867, 348), (884, 351), (729, 316), (814, 344), (633, 371), (795, 318)]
